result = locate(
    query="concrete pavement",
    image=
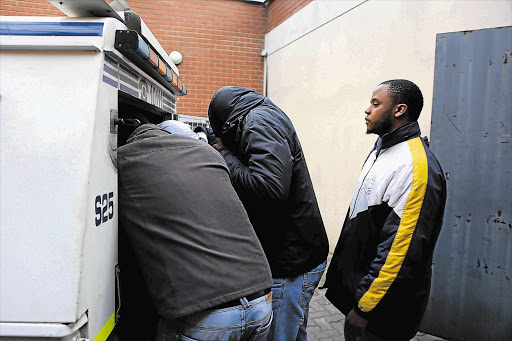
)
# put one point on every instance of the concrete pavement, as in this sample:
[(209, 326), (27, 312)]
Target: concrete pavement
[(325, 322)]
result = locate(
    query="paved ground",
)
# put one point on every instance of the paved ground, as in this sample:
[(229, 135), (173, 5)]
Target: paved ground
[(326, 322)]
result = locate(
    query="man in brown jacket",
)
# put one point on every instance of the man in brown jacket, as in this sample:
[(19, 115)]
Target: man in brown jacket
[(201, 261)]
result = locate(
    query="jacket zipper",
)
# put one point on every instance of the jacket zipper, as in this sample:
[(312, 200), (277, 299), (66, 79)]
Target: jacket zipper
[(361, 186)]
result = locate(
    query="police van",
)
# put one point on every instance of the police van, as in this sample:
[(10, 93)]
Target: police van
[(71, 89)]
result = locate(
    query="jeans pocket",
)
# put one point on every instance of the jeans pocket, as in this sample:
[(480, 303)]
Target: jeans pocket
[(181, 337), (314, 276), (307, 295), (277, 289), (262, 332), (310, 282)]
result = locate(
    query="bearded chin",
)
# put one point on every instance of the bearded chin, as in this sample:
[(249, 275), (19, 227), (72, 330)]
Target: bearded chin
[(383, 126)]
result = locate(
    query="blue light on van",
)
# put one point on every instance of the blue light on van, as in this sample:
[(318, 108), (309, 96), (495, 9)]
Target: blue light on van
[(143, 49), (168, 74)]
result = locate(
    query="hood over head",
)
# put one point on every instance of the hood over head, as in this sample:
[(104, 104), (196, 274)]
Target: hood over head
[(230, 103)]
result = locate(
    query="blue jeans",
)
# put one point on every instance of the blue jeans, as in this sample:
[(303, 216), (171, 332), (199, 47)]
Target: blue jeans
[(248, 321), (290, 305)]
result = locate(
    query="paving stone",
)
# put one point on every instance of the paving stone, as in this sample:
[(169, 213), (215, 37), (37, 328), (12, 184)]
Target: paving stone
[(324, 334), (334, 318), (317, 314), (313, 330), (323, 324), (339, 326), (326, 322)]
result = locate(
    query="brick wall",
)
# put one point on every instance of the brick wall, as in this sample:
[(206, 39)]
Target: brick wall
[(29, 7), (280, 10), (220, 40)]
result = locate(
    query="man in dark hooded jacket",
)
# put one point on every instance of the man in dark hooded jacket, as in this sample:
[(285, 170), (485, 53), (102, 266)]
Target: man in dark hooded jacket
[(269, 172)]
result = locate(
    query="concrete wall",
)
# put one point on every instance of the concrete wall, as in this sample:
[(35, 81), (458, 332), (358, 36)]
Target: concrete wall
[(324, 62)]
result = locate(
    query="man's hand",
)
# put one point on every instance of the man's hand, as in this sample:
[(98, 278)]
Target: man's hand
[(218, 143), (356, 320)]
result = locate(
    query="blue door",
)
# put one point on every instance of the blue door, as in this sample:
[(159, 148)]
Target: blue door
[(471, 296)]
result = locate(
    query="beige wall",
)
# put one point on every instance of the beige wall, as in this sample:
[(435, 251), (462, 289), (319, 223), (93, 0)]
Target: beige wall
[(324, 62)]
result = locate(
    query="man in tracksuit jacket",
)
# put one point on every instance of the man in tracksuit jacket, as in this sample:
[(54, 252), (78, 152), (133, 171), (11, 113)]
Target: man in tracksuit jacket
[(379, 276)]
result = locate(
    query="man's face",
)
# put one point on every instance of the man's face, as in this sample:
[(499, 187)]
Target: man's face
[(379, 115)]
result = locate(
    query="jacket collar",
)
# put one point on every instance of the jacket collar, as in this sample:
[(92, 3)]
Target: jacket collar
[(144, 131), (401, 134)]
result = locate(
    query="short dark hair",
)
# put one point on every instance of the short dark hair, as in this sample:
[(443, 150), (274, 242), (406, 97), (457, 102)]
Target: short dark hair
[(405, 91)]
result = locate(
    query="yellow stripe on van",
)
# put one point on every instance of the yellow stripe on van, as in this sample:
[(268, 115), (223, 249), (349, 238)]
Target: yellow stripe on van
[(106, 329), (403, 237)]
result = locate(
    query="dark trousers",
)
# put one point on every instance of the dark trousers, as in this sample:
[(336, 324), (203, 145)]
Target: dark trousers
[(356, 334)]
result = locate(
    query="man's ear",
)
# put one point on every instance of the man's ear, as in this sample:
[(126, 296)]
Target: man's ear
[(399, 110)]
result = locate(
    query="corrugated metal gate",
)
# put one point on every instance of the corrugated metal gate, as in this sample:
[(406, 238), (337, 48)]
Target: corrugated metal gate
[(471, 297)]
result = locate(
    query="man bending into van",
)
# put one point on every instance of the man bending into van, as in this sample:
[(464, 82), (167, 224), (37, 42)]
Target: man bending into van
[(201, 261)]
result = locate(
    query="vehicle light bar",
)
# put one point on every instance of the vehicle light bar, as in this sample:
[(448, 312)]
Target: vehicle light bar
[(168, 74), (143, 48), (133, 46), (162, 68), (153, 58)]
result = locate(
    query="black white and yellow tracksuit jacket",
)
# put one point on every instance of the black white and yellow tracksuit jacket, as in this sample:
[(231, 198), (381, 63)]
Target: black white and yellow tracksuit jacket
[(382, 263)]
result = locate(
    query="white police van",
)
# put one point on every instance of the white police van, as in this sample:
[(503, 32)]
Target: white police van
[(68, 88)]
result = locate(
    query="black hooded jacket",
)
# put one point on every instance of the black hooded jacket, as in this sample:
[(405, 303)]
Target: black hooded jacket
[(269, 173)]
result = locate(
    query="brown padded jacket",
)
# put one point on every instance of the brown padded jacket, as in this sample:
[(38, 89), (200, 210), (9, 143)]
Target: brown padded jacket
[(191, 235)]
